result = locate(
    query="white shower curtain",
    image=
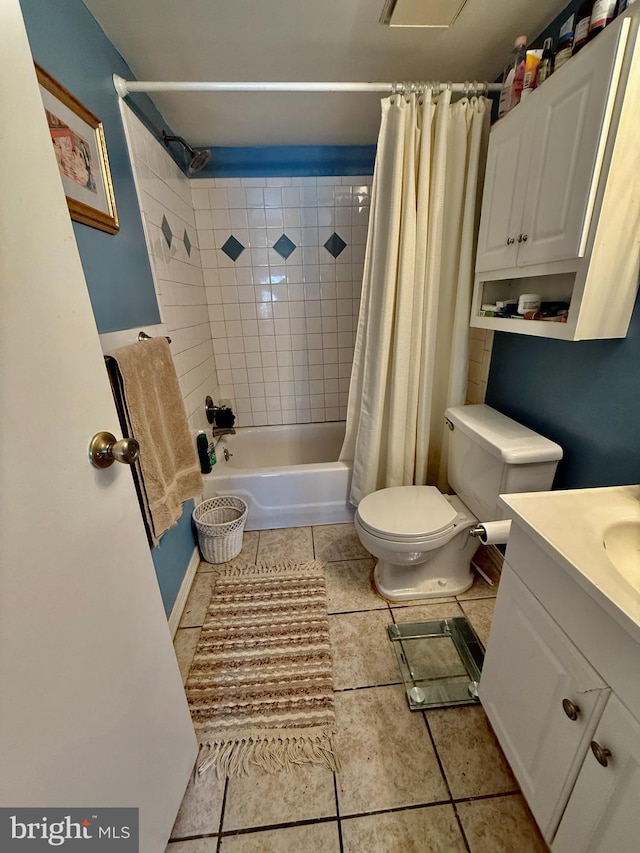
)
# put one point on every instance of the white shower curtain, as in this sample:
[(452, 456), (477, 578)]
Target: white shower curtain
[(410, 359)]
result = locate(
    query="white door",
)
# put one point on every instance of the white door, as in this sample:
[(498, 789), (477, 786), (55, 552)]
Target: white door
[(92, 710), (503, 196), (569, 135), (602, 815), (529, 671)]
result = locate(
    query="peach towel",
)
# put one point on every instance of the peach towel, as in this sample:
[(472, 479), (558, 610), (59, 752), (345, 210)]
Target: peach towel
[(167, 471)]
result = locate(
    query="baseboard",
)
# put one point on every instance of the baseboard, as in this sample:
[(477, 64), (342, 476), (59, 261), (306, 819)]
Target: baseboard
[(183, 592)]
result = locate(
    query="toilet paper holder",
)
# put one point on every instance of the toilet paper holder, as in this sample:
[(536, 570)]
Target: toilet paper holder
[(492, 532)]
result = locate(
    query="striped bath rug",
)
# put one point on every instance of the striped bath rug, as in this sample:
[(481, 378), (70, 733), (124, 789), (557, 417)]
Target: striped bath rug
[(260, 687)]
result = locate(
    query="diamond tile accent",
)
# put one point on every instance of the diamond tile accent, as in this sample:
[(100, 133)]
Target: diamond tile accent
[(335, 245), (187, 242), (284, 246), (166, 230), (233, 248)]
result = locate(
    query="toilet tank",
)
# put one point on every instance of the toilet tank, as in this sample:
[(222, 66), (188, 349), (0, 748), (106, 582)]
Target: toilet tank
[(491, 454)]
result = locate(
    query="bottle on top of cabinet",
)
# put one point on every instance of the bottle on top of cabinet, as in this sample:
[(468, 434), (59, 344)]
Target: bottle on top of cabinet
[(564, 48), (531, 66), (583, 22), (603, 12), (514, 66), (546, 67)]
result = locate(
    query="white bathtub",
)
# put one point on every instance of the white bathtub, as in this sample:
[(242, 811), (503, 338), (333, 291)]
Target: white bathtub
[(288, 475)]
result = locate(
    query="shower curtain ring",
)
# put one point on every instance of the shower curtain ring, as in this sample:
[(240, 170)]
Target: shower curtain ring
[(465, 90), (475, 88), (394, 91)]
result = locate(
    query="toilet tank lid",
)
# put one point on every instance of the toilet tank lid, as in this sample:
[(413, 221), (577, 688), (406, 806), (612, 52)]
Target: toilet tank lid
[(503, 437)]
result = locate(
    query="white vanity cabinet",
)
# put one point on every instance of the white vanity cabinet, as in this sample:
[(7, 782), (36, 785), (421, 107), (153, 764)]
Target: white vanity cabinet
[(562, 196), (561, 678), (543, 698), (603, 812)]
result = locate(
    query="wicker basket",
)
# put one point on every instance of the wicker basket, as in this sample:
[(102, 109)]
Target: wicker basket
[(220, 522)]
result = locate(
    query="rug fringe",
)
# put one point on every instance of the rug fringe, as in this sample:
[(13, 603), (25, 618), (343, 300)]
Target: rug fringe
[(274, 753), (310, 567)]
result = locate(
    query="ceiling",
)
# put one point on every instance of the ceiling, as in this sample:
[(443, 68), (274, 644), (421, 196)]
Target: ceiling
[(300, 40)]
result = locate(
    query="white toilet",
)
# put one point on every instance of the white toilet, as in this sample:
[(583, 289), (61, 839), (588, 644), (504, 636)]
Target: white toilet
[(420, 536)]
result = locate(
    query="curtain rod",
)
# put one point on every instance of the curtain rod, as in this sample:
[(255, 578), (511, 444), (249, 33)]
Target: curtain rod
[(125, 87)]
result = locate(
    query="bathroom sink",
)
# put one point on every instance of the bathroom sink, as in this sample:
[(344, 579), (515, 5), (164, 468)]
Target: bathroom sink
[(622, 544)]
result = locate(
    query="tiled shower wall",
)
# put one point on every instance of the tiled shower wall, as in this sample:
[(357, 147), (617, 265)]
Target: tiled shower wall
[(172, 241), (282, 260), (480, 346), (270, 329)]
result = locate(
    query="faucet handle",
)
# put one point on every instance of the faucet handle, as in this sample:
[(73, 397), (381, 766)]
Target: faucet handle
[(210, 409)]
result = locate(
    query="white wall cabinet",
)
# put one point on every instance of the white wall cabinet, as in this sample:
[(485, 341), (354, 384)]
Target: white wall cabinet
[(505, 186), (560, 674), (554, 216), (545, 161)]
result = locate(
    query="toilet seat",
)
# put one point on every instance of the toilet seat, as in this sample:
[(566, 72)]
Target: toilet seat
[(406, 514)]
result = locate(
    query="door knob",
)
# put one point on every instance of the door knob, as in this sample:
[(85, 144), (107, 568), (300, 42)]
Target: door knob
[(104, 450)]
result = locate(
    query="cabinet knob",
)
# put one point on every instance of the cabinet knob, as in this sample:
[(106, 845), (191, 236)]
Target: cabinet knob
[(571, 709), (525, 237), (510, 240), (600, 752)]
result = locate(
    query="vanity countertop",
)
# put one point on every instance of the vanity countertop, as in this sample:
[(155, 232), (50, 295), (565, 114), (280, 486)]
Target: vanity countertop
[(572, 525)]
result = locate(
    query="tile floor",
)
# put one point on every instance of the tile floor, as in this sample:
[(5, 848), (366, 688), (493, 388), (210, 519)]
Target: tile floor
[(410, 782)]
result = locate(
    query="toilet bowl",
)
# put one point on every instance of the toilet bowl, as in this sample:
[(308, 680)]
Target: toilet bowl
[(421, 540), (420, 536)]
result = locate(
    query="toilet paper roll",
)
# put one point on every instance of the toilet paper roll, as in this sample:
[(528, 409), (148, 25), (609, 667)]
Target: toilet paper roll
[(495, 532)]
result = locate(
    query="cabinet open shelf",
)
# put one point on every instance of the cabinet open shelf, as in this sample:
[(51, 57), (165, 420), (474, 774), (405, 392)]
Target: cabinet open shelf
[(551, 288)]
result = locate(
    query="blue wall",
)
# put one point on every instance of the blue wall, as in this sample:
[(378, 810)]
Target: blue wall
[(68, 43), (275, 161), (583, 394), (66, 40), (171, 557)]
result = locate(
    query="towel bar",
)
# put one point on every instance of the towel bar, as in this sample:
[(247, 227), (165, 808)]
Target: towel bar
[(143, 336)]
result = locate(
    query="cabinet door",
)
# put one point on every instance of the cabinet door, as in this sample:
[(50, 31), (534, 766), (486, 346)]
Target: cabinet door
[(573, 114), (603, 813), (503, 195), (529, 669)]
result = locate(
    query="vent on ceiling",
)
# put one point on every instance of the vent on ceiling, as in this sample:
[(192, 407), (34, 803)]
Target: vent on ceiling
[(418, 13)]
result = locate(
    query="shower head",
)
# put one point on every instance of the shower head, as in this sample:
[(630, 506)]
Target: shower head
[(199, 158)]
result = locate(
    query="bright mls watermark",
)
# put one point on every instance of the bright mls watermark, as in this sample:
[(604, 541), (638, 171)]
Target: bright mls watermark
[(75, 830)]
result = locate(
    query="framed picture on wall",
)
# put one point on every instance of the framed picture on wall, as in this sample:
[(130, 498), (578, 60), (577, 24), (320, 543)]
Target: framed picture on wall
[(80, 149)]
